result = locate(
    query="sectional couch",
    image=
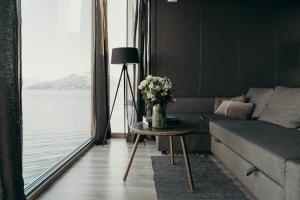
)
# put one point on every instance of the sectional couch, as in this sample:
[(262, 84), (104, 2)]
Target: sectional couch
[(200, 112), (263, 153)]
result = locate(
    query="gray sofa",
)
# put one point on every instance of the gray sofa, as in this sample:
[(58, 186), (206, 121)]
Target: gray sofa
[(264, 154), (196, 110), (273, 150), (269, 146)]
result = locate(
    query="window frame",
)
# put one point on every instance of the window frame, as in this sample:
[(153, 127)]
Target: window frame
[(38, 185)]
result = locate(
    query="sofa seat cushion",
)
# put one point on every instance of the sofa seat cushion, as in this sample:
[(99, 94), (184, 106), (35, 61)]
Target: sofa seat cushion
[(265, 145), (201, 119), (214, 117), (195, 118)]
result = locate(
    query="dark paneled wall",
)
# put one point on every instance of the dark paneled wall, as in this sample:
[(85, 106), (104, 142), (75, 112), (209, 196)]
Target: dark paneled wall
[(221, 48), (177, 48), (289, 44)]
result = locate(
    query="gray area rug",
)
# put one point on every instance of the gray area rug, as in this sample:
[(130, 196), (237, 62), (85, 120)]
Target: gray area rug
[(209, 180)]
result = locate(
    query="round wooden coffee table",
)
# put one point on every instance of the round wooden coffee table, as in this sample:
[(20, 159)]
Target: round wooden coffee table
[(180, 130)]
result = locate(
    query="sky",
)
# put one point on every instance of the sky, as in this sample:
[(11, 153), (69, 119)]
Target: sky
[(56, 42), (56, 36)]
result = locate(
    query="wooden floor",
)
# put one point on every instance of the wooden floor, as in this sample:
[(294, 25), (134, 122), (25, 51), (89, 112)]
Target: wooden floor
[(98, 175)]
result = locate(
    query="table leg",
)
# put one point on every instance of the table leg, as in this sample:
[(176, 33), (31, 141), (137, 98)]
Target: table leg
[(171, 149), (137, 140), (187, 163)]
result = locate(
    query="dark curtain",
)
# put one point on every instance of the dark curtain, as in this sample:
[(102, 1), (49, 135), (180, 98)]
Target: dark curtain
[(11, 181), (100, 81), (138, 34)]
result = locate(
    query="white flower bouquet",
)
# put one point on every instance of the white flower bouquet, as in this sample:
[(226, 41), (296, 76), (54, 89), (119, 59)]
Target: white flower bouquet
[(156, 90)]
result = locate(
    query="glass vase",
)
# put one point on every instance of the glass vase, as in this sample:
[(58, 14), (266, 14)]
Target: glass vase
[(159, 116)]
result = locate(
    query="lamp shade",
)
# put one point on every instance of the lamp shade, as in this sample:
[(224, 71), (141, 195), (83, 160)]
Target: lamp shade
[(124, 55)]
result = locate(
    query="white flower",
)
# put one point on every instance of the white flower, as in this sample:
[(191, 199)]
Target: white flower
[(143, 84), (156, 89), (151, 85), (149, 77), (150, 95)]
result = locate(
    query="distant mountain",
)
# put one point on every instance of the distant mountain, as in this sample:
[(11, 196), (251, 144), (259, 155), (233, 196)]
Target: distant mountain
[(27, 82), (73, 81)]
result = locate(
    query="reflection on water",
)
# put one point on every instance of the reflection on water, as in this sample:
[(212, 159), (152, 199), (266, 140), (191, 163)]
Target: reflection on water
[(55, 122)]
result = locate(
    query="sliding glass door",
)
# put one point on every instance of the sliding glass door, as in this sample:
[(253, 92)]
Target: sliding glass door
[(56, 51)]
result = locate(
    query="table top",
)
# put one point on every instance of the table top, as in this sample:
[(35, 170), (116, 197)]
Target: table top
[(183, 128)]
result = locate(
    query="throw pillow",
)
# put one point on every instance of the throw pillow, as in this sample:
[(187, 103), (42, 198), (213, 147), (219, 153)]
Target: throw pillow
[(284, 108), (235, 109), (219, 100), (260, 98)]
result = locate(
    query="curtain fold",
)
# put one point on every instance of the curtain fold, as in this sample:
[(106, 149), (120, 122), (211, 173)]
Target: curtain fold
[(100, 77), (11, 181), (138, 26), (143, 46)]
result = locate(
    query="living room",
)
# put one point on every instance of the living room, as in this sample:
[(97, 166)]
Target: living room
[(200, 99)]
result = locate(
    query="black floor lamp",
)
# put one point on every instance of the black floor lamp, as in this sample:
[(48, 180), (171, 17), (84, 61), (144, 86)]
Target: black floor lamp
[(123, 55)]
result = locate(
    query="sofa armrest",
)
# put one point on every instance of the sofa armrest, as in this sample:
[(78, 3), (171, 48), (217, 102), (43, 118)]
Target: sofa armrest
[(292, 180)]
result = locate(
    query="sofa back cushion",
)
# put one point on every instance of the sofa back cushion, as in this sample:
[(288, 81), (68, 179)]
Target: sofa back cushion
[(284, 108), (260, 98)]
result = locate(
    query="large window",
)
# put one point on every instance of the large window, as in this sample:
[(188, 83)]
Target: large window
[(56, 51), (117, 13)]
